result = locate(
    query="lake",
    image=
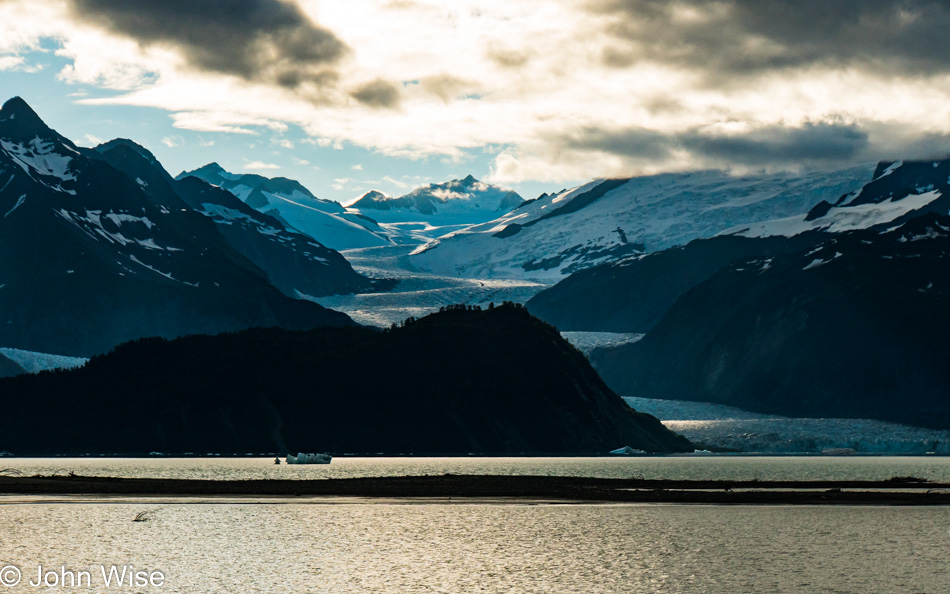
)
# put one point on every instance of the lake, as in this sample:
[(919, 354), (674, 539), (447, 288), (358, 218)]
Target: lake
[(349, 545), (695, 467)]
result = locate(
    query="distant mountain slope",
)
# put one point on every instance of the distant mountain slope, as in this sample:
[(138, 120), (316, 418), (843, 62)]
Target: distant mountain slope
[(460, 201), (898, 191), (607, 220), (458, 382), (294, 263), (855, 326), (631, 295), (293, 204), (89, 259)]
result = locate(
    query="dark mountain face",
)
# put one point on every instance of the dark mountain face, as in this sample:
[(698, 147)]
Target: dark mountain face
[(632, 295), (495, 381), (855, 326), (91, 257), (294, 263), (9, 368)]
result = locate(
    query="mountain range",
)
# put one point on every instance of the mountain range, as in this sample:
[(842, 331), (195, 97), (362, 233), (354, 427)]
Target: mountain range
[(464, 201), (837, 312), (817, 294), (296, 208), (100, 246), (609, 219)]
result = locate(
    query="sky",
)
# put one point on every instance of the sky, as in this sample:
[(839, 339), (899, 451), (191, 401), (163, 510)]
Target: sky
[(535, 95)]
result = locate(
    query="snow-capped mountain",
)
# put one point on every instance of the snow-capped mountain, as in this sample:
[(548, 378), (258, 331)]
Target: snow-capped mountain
[(458, 202), (89, 258), (605, 220), (632, 295), (297, 208), (294, 263), (897, 192)]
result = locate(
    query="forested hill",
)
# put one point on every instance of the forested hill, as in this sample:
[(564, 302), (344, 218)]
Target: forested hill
[(455, 382)]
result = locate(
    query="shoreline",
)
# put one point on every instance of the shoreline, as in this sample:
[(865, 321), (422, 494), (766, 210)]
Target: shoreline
[(519, 488)]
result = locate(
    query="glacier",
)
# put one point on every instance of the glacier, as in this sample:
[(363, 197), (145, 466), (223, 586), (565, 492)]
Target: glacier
[(720, 427)]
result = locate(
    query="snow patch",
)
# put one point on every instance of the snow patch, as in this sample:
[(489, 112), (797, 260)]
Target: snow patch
[(19, 203), (840, 218), (890, 169), (35, 362), (38, 155)]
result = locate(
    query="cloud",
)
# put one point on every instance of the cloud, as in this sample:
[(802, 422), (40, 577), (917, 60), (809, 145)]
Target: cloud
[(730, 37), (447, 87), (270, 41), (173, 141), (810, 144), (395, 182), (11, 62), (777, 145), (378, 93), (566, 90), (260, 165), (622, 152), (357, 167), (92, 140)]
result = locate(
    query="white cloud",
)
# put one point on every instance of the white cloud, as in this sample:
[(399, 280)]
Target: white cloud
[(92, 140), (395, 182), (259, 166), (529, 76), (10, 62), (173, 141), (357, 167)]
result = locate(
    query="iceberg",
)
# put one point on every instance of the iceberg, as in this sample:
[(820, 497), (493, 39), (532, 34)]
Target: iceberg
[(627, 451), (302, 458)]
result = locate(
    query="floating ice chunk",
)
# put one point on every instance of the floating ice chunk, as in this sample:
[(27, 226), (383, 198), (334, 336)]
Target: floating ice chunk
[(627, 451), (303, 458)]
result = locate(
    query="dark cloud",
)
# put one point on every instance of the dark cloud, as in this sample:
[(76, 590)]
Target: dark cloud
[(259, 40), (748, 36), (378, 93), (810, 144), (631, 143)]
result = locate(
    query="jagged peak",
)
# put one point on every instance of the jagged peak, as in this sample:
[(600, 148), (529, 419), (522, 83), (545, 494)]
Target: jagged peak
[(374, 195), (211, 169), (22, 114), (469, 179), (212, 166), (17, 106)]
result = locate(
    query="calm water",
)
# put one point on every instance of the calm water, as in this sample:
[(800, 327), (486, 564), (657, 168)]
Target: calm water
[(473, 547), (935, 468), (350, 545)]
